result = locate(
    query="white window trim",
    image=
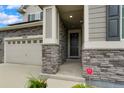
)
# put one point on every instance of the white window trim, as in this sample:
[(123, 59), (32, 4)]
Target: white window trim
[(86, 23), (121, 39), (52, 40), (101, 44), (46, 40)]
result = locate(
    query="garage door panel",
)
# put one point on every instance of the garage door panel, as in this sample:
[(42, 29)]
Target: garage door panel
[(27, 53)]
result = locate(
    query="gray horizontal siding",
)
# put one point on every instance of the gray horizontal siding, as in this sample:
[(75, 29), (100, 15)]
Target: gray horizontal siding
[(97, 22)]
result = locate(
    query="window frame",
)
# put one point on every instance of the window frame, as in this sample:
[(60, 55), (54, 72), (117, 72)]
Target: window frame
[(108, 19), (121, 22)]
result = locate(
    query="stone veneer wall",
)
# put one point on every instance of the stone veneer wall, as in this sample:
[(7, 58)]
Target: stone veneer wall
[(55, 55), (50, 58), (108, 64), (62, 43), (37, 30)]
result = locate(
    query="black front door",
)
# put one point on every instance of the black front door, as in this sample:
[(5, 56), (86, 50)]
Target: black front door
[(74, 44)]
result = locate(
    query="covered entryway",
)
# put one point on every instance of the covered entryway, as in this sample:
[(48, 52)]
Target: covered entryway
[(72, 18), (59, 20), (23, 50)]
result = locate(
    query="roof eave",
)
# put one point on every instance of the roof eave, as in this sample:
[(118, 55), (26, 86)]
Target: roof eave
[(26, 25)]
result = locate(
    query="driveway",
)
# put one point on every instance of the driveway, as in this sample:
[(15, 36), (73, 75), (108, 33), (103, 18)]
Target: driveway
[(15, 75)]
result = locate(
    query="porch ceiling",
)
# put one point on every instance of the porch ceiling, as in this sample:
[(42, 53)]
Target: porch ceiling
[(73, 11)]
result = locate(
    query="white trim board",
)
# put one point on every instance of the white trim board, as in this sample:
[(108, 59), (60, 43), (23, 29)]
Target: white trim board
[(23, 37), (103, 45), (121, 23), (25, 25), (86, 23), (52, 39)]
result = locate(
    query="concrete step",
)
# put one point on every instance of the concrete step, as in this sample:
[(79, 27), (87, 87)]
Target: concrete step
[(73, 60), (62, 81), (64, 77), (56, 83)]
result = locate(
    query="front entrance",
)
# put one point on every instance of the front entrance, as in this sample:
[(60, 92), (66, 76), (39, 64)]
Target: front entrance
[(74, 43)]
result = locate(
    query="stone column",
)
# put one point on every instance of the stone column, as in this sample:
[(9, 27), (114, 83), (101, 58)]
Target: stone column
[(50, 47), (50, 58)]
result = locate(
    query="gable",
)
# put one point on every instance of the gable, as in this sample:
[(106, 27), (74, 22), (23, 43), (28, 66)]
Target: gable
[(33, 9)]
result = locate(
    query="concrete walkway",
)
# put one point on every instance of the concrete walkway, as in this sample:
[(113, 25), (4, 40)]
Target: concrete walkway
[(71, 69), (15, 75)]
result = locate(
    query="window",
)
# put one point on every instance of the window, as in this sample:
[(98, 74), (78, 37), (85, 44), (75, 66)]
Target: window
[(34, 41), (29, 41), (18, 42), (9, 42), (113, 10), (113, 28), (36, 16), (40, 41), (13, 42), (31, 17), (113, 23), (23, 42), (41, 15)]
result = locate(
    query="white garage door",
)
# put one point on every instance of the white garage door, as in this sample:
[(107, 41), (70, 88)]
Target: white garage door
[(23, 50)]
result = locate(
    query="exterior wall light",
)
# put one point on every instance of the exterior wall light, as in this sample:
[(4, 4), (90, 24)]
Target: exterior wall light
[(70, 16)]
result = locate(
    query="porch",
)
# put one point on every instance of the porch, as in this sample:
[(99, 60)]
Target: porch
[(62, 45), (71, 68)]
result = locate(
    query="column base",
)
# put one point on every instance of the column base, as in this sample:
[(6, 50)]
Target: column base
[(50, 58)]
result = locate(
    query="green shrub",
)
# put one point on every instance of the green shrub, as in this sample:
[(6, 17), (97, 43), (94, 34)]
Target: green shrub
[(82, 86), (36, 83)]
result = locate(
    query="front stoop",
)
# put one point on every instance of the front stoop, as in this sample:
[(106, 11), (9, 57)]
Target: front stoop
[(56, 83), (73, 60), (62, 81)]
